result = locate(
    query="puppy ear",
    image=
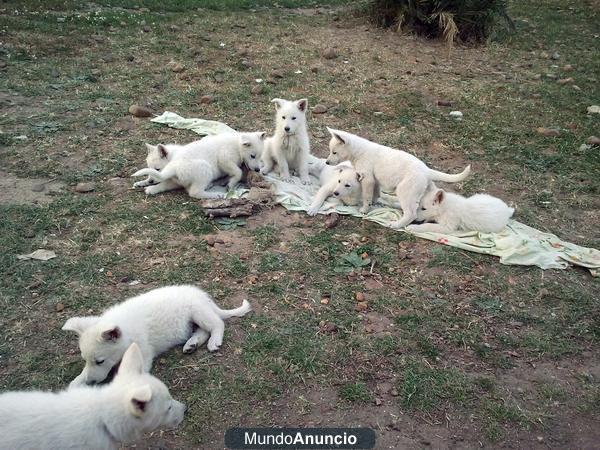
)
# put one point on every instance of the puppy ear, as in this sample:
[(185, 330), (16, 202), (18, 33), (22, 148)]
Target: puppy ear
[(111, 333), (278, 102), (80, 324), (439, 197), (139, 400), (359, 176), (244, 139), (335, 134), (132, 362), (263, 135), (150, 148), (162, 150), (302, 104)]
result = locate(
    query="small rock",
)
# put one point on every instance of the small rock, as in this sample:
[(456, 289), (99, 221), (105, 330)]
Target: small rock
[(566, 81), (456, 115), (206, 99), (555, 56), (85, 187), (315, 69), (140, 111), (277, 74), (593, 140), (378, 401), (177, 68), (146, 29), (38, 187), (361, 306), (59, 307), (258, 89), (444, 103), (319, 109), (329, 53), (394, 392), (245, 63), (548, 132), (540, 438), (359, 296), (324, 301), (594, 109), (568, 68), (332, 220), (210, 240)]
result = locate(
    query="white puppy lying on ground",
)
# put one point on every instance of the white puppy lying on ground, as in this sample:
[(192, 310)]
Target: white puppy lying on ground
[(341, 181), (90, 417), (156, 321), (196, 165), (387, 169), (452, 212), (289, 147)]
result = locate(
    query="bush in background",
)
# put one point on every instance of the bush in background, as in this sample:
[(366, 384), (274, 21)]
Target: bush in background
[(453, 20)]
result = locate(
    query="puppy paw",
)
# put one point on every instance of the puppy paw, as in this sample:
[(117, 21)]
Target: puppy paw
[(306, 182), (150, 190), (287, 179), (143, 183), (364, 210), (412, 228), (214, 344), (190, 347), (312, 211)]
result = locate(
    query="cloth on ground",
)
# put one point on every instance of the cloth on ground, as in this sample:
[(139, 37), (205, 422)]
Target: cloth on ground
[(517, 244)]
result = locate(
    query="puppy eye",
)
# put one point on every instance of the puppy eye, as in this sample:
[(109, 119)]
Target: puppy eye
[(283, 117), (339, 181), (246, 144), (335, 153), (293, 118), (253, 156), (170, 406), (347, 185), (99, 362)]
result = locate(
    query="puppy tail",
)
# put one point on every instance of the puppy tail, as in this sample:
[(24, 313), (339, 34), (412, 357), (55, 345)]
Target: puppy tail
[(148, 172), (237, 312), (434, 175)]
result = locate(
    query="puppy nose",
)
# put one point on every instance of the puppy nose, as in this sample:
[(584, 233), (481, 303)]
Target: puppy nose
[(257, 170), (336, 193), (328, 163), (287, 128)]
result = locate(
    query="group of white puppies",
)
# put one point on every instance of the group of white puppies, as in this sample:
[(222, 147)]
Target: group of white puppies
[(355, 172), (125, 339), (128, 336)]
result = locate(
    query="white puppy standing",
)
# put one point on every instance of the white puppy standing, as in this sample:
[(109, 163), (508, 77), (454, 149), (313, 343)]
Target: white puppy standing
[(452, 212), (387, 169), (156, 321), (90, 417), (196, 165), (289, 147)]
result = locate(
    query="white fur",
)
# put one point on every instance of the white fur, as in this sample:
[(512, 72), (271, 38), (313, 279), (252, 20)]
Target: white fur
[(156, 321), (452, 212), (341, 181), (196, 165), (90, 417), (289, 147), (387, 169)]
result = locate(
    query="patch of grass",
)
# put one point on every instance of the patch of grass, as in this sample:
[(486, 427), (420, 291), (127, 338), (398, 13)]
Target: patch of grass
[(234, 266), (496, 413), (270, 262), (356, 392), (444, 256), (425, 388), (265, 236)]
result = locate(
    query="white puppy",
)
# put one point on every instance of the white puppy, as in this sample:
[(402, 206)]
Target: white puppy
[(289, 147), (452, 212), (156, 321), (341, 181), (90, 417), (196, 165), (387, 169)]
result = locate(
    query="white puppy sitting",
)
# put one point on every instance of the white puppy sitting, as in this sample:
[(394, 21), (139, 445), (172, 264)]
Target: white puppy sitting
[(90, 417), (156, 321), (480, 212), (387, 169), (196, 165), (341, 181), (289, 147)]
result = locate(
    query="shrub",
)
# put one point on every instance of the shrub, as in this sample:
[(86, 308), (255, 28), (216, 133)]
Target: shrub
[(463, 20)]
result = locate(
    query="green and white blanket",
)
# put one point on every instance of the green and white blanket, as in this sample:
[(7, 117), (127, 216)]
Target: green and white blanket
[(517, 244)]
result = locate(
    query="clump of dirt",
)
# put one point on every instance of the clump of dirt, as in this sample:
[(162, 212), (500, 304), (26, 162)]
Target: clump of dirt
[(27, 191)]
